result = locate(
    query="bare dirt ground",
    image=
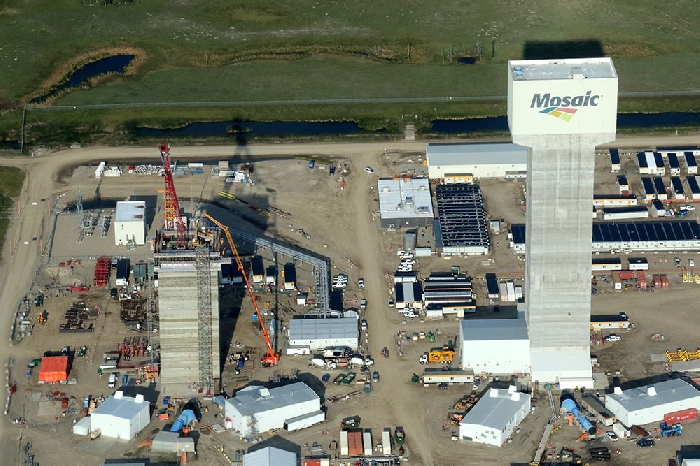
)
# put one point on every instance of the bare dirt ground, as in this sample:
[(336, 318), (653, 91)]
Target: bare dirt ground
[(341, 227)]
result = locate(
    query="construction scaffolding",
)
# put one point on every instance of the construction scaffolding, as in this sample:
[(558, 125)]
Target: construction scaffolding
[(204, 318)]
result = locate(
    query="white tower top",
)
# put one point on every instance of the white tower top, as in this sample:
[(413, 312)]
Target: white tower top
[(572, 96)]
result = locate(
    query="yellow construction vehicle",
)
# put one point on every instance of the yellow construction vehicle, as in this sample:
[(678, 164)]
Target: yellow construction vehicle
[(441, 355)]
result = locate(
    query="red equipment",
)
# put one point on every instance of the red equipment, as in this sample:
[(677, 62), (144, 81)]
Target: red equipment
[(173, 216), (270, 358)]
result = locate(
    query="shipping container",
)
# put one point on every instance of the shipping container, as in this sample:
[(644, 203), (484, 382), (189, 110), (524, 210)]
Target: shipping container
[(435, 376), (367, 440), (386, 442), (344, 443), (642, 279), (614, 160), (664, 281), (355, 443), (680, 416), (690, 165), (626, 275)]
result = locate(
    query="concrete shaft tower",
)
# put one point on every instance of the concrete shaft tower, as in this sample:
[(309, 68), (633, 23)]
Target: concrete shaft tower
[(561, 110)]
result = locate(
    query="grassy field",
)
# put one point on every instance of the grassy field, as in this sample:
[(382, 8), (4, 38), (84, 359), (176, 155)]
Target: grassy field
[(215, 50), (11, 180)]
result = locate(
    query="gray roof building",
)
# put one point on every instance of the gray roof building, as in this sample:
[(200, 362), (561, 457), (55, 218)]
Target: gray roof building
[(319, 333), (405, 202), (490, 160), (495, 416)]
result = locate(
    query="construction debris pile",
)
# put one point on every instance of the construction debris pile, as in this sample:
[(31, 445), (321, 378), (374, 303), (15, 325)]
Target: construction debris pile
[(76, 318)]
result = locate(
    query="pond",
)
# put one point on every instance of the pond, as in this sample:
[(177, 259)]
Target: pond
[(256, 128), (112, 64), (624, 120)]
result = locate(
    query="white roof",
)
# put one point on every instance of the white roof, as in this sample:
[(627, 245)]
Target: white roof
[(125, 408), (130, 211), (270, 456), (496, 411), (535, 70), (670, 391), (458, 154), (323, 329), (405, 197), (255, 399), (494, 329)]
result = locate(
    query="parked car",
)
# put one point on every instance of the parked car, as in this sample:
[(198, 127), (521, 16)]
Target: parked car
[(690, 207), (401, 252), (613, 338), (369, 170), (375, 377), (442, 386), (611, 435), (361, 282), (646, 442), (390, 302), (363, 303), (677, 260), (691, 263), (363, 325)]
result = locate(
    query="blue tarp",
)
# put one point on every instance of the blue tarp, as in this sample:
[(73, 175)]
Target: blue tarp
[(185, 418)]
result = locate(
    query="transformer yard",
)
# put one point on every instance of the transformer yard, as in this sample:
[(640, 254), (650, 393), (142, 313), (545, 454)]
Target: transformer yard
[(221, 324)]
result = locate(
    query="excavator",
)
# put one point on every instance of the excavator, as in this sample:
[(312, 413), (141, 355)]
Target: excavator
[(271, 358)]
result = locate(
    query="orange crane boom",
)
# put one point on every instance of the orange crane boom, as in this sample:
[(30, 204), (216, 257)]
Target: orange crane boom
[(270, 358)]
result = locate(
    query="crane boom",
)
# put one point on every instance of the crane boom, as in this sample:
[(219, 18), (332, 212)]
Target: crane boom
[(173, 216), (270, 358)]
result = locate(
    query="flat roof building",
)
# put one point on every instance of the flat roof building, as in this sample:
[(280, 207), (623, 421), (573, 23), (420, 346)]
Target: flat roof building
[(316, 333), (649, 403), (405, 202), (490, 160), (254, 409), (497, 346), (130, 223), (495, 416), (461, 227), (120, 416)]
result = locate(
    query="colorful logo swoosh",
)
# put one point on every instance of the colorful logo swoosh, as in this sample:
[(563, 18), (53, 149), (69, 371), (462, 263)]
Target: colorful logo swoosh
[(563, 113)]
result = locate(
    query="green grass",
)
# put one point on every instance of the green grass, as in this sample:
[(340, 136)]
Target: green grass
[(216, 50), (11, 179)]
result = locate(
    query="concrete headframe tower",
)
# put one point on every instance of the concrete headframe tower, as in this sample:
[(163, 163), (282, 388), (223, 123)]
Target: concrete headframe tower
[(561, 110)]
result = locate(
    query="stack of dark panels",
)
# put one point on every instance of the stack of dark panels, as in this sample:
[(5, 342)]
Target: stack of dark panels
[(461, 215)]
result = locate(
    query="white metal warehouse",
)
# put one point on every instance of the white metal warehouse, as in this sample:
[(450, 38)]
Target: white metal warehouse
[(270, 456), (495, 416), (490, 160), (255, 409), (323, 332), (405, 203), (130, 223), (649, 403), (121, 417), (496, 346)]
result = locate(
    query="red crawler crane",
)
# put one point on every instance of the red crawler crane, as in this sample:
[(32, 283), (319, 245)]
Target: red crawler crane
[(173, 216)]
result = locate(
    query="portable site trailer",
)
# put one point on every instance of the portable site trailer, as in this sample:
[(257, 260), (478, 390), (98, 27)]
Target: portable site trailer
[(677, 187), (435, 376), (614, 160), (673, 164), (344, 443), (649, 191), (271, 275), (256, 263), (661, 192), (367, 442), (386, 442), (690, 164), (290, 277)]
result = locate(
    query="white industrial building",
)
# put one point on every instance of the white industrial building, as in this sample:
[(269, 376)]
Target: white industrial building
[(454, 161), (496, 346), (405, 203), (121, 417), (321, 333), (270, 456), (255, 409), (495, 416), (649, 403), (130, 223)]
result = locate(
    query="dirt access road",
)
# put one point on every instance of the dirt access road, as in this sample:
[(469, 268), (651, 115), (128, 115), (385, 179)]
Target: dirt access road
[(19, 268)]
